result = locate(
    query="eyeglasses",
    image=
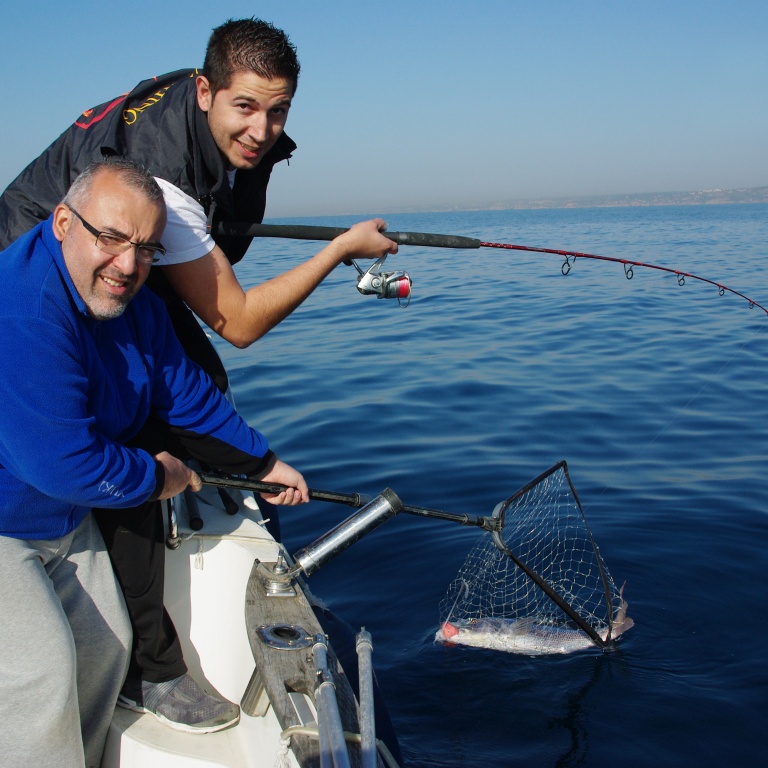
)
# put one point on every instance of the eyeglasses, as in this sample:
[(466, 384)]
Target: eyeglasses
[(114, 244)]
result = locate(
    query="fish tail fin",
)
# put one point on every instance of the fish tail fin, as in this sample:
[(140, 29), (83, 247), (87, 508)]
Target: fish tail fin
[(621, 622)]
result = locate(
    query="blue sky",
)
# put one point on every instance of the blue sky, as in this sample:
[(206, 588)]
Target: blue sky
[(427, 104)]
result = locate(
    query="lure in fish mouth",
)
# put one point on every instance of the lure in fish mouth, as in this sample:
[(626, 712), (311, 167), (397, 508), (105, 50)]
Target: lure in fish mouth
[(529, 635)]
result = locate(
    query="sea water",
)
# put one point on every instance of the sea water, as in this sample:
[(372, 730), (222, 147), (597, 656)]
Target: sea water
[(656, 396)]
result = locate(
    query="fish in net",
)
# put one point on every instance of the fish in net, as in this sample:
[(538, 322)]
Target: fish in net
[(537, 584)]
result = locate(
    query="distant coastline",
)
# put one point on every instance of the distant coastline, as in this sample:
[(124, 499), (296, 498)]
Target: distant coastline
[(739, 196), (703, 197)]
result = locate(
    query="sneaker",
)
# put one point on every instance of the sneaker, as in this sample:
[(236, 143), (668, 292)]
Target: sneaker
[(180, 703)]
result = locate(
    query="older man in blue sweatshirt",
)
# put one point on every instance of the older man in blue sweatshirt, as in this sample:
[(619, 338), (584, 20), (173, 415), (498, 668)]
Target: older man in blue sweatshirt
[(85, 357)]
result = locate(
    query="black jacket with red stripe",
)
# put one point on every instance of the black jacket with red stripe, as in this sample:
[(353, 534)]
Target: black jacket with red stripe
[(160, 126)]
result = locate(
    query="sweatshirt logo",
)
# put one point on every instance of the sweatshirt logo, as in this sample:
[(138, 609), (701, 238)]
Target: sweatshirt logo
[(110, 489)]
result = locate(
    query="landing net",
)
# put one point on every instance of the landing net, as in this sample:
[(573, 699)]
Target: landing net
[(542, 565)]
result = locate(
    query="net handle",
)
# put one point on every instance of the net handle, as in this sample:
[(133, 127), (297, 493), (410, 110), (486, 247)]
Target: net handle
[(356, 500)]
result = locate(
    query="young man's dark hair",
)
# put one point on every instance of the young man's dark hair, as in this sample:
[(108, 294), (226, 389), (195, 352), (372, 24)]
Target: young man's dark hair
[(249, 45)]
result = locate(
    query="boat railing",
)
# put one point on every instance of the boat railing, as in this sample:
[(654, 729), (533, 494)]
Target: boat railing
[(364, 647), (333, 748)]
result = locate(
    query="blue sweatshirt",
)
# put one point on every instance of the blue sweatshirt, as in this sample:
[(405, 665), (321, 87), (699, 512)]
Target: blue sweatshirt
[(75, 390)]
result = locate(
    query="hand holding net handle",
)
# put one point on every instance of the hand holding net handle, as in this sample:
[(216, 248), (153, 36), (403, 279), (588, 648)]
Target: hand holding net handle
[(356, 500)]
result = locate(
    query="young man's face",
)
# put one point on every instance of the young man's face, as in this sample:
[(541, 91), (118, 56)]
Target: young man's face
[(247, 118)]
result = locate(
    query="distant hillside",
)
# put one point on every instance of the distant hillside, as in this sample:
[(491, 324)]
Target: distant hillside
[(704, 197)]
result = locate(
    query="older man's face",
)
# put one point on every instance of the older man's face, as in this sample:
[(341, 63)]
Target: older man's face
[(107, 283)]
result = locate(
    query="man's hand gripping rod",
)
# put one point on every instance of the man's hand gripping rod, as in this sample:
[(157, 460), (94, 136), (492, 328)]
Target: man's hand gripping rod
[(373, 281)]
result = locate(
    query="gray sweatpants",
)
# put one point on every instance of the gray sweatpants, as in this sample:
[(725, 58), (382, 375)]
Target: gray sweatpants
[(65, 641)]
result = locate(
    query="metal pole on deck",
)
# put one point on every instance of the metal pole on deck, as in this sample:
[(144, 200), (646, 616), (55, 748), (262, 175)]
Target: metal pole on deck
[(328, 717), (364, 646)]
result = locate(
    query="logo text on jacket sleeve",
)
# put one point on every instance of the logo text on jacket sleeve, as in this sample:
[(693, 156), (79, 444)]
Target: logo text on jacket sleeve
[(131, 115)]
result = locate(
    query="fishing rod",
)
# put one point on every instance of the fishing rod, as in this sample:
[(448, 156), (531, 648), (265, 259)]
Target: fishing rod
[(393, 284)]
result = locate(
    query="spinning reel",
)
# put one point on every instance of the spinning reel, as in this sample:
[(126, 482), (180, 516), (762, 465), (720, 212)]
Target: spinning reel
[(385, 285)]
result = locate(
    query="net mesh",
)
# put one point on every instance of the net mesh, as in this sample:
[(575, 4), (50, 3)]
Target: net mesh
[(545, 531)]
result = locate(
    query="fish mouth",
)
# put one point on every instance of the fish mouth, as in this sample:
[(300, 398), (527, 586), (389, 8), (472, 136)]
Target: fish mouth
[(448, 630), (447, 633)]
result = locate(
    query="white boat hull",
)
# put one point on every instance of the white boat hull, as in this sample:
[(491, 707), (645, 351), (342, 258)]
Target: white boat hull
[(206, 583)]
